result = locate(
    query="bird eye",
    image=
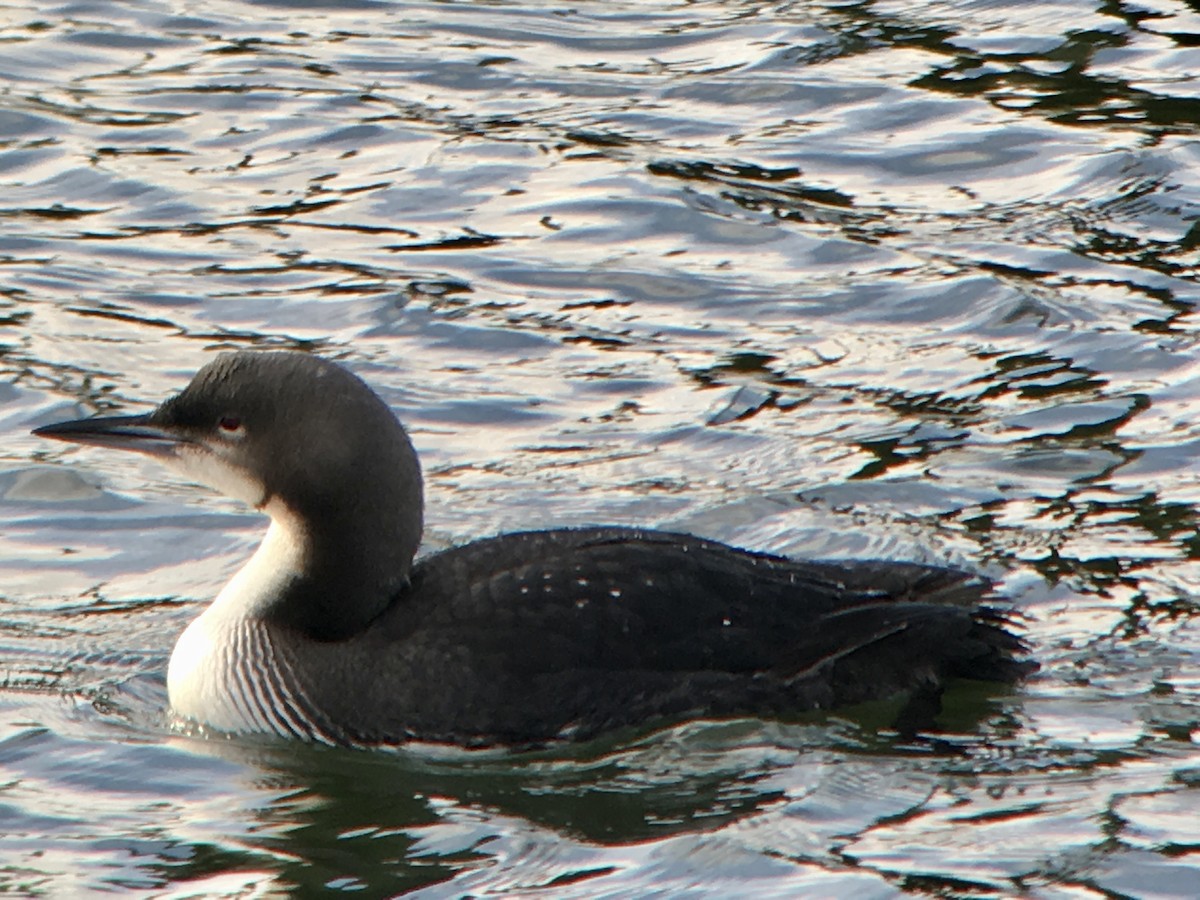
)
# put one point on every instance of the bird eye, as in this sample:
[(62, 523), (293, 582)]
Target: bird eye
[(230, 424)]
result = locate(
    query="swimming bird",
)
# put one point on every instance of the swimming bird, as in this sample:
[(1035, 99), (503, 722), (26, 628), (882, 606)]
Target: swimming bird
[(332, 632)]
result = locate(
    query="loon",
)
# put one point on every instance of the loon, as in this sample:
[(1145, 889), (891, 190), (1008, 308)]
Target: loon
[(332, 632)]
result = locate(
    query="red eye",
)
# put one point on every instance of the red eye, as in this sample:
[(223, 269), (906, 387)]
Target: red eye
[(230, 423)]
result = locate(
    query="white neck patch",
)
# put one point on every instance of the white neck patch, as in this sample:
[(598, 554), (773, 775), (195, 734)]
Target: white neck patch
[(205, 465), (201, 677)]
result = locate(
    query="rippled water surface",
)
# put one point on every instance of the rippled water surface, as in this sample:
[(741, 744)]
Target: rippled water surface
[(898, 279)]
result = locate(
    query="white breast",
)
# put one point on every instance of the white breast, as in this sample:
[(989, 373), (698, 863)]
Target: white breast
[(224, 672), (201, 675)]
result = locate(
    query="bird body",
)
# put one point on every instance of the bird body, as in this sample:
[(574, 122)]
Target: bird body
[(330, 632)]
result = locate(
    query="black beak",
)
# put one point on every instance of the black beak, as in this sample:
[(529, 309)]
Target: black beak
[(134, 433)]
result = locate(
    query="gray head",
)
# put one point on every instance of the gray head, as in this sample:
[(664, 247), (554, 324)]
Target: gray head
[(302, 439)]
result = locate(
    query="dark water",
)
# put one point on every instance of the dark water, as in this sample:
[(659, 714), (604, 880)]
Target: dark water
[(892, 279)]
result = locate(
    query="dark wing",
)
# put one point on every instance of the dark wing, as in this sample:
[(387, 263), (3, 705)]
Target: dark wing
[(533, 636)]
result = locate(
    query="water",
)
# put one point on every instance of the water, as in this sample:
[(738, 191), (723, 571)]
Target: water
[(840, 279)]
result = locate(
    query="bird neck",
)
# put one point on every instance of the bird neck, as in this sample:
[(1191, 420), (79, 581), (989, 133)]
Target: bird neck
[(325, 577)]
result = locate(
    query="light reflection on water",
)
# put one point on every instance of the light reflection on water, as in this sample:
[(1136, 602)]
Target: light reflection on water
[(885, 279)]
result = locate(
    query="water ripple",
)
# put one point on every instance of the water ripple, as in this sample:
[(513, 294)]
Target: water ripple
[(890, 279)]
